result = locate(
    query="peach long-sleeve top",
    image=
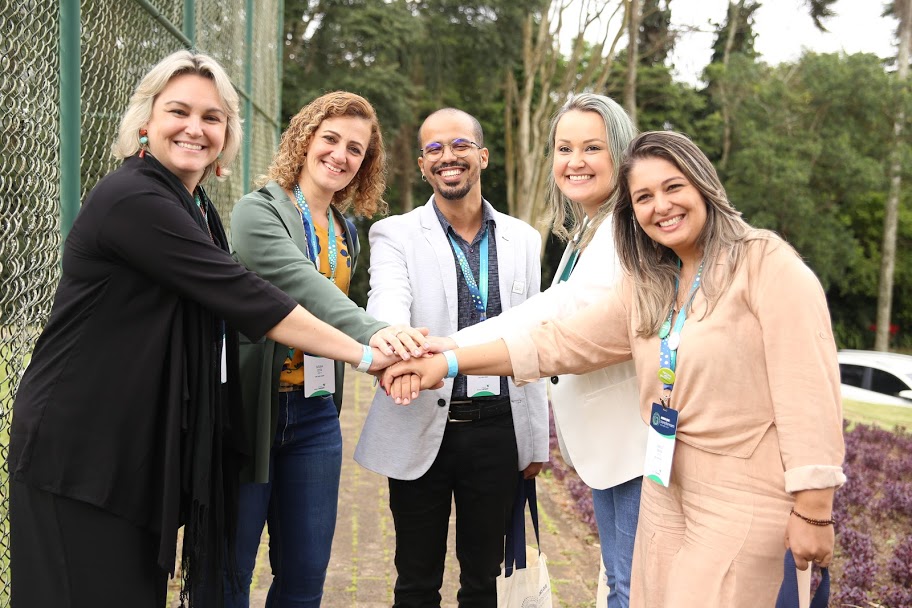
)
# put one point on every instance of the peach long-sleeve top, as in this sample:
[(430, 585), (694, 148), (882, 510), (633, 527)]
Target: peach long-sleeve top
[(764, 355)]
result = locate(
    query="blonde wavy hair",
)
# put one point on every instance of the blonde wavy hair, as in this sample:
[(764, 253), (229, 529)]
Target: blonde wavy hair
[(365, 192), (139, 110), (564, 215), (654, 267)]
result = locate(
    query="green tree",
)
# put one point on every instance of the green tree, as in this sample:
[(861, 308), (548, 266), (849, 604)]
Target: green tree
[(902, 9), (808, 159), (656, 36)]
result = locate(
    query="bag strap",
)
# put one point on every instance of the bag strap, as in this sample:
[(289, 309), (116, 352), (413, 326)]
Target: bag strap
[(515, 546), (788, 592)]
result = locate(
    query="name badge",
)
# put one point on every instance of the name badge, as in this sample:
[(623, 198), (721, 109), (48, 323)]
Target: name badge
[(224, 361), (660, 445), (319, 376), (482, 386)]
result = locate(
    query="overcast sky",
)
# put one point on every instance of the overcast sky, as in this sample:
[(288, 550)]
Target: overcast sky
[(783, 29)]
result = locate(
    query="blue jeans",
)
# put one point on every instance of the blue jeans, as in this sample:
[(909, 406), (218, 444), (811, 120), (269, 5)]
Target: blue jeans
[(616, 514), (299, 505)]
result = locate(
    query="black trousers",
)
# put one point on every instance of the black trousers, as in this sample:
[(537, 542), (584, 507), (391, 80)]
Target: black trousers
[(65, 553), (477, 466)]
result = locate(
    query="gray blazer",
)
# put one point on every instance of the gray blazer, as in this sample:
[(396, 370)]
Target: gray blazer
[(413, 281)]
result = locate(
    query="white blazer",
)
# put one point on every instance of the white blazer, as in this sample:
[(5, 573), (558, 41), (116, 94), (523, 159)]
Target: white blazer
[(597, 414), (413, 280)]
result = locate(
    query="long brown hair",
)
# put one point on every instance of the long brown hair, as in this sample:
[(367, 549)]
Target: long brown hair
[(654, 267)]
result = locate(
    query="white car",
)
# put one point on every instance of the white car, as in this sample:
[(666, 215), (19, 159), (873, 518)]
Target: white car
[(876, 377)]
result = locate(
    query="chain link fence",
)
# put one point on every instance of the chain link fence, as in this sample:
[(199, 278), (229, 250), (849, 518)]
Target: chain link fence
[(67, 68)]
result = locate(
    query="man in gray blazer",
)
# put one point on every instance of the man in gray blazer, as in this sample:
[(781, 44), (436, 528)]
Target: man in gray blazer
[(445, 266)]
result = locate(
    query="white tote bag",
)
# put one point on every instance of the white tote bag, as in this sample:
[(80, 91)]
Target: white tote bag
[(524, 581), (601, 595)]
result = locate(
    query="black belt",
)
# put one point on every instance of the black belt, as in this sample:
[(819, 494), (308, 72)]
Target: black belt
[(467, 410)]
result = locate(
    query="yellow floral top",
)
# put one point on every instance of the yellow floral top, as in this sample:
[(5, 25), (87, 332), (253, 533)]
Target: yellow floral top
[(293, 369)]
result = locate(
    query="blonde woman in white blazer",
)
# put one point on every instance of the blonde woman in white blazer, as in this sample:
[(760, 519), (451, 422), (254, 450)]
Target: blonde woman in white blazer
[(597, 414)]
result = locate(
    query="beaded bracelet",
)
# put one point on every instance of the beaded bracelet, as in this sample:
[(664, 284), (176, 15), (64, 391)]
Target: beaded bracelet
[(812, 521)]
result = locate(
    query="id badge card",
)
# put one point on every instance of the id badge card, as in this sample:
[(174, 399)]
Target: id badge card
[(319, 376), (660, 445), (482, 386)]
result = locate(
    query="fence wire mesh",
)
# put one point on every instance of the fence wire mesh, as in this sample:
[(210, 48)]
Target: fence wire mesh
[(119, 41)]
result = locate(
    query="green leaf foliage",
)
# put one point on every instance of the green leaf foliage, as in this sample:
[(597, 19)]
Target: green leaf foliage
[(809, 160)]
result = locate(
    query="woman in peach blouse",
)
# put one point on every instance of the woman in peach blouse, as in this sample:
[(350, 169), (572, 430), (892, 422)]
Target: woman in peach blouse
[(736, 361)]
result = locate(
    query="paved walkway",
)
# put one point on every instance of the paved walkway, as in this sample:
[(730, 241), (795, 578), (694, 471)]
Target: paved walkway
[(361, 572)]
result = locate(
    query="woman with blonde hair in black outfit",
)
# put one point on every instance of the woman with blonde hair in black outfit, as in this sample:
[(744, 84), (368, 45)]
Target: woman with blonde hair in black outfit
[(124, 426)]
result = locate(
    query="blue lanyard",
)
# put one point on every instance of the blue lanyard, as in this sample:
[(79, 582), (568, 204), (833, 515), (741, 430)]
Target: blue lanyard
[(671, 340), (478, 291), (311, 232)]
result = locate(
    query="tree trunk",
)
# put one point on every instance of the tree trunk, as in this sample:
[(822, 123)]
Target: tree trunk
[(633, 47), (406, 159), (903, 9), (535, 89), (734, 11)]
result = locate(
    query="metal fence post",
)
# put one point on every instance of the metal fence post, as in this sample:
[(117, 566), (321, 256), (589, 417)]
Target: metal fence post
[(280, 60), (190, 21), (70, 121), (248, 101)]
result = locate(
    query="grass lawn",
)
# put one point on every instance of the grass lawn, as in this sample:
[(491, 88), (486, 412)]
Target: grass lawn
[(884, 416)]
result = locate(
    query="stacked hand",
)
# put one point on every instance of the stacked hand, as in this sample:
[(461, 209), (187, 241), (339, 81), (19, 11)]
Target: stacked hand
[(408, 356), (405, 379), (398, 346)]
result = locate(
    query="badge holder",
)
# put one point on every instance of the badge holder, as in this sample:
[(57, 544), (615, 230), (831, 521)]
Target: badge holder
[(660, 444), (319, 376)]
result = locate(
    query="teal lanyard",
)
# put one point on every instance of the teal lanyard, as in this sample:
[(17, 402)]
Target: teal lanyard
[(570, 266), (479, 290), (671, 339), (313, 246), (574, 255)]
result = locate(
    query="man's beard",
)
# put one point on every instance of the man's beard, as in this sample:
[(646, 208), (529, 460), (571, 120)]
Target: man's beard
[(455, 195)]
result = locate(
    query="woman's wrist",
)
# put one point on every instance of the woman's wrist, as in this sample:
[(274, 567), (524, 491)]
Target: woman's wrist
[(452, 363), (367, 357), (828, 521), (815, 504)]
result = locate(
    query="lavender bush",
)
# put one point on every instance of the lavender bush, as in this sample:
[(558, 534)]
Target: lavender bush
[(873, 563)]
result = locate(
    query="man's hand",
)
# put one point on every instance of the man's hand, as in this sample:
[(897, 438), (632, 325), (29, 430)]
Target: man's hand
[(438, 344), (532, 470), (403, 380)]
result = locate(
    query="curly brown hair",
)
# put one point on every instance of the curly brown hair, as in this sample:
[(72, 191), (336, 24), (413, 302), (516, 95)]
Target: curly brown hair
[(365, 191)]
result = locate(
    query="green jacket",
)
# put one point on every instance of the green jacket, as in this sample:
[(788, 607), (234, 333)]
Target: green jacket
[(267, 236)]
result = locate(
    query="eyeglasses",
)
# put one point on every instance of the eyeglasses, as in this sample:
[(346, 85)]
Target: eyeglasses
[(459, 147)]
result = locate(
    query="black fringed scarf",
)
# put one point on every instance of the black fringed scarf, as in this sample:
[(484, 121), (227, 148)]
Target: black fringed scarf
[(200, 474)]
